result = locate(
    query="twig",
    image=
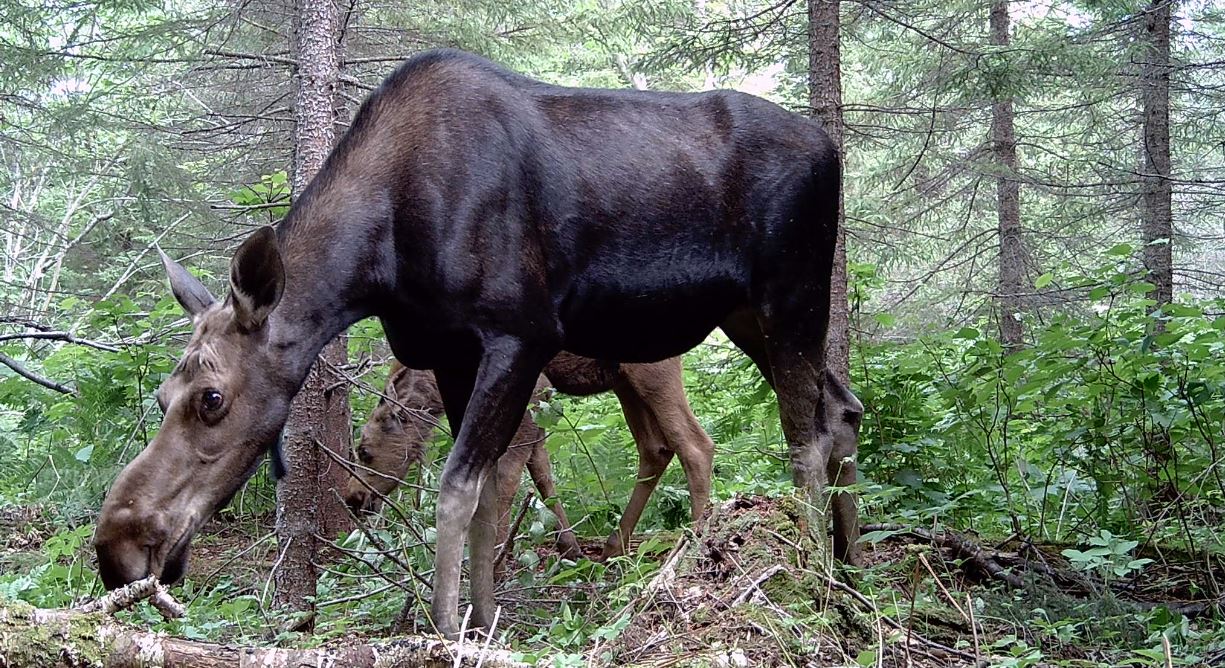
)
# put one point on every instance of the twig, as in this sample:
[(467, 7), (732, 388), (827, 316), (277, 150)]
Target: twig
[(31, 376), (973, 627), (67, 337), (952, 601), (756, 583), (896, 625), (497, 612), (131, 594), (463, 628), (509, 545)]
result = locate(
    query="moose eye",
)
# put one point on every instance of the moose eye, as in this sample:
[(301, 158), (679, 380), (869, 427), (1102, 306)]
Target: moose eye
[(363, 455), (211, 400)]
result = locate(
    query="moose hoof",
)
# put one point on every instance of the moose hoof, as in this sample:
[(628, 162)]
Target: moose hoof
[(567, 547)]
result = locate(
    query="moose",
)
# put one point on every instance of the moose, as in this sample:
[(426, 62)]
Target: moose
[(652, 399), (656, 410), (491, 221)]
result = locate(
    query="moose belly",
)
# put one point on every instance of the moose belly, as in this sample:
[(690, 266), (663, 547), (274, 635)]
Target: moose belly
[(646, 324)]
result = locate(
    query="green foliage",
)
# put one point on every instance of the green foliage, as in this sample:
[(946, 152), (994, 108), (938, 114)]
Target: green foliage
[(1109, 413), (1108, 557), (62, 576)]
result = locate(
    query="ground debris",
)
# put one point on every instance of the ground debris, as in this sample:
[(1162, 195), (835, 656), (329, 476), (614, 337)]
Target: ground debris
[(752, 587)]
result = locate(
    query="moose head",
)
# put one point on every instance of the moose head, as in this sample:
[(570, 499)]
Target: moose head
[(224, 407)]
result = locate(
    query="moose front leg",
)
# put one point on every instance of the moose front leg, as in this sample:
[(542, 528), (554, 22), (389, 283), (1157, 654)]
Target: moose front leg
[(489, 417)]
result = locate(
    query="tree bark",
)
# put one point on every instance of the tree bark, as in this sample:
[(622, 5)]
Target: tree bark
[(33, 638), (1158, 215), (1008, 198), (319, 416), (825, 99)]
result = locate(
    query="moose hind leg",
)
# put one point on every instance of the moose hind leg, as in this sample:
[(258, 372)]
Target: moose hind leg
[(500, 393), (653, 459)]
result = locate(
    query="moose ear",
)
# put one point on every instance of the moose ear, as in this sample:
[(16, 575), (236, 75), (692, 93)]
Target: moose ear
[(188, 290), (257, 279)]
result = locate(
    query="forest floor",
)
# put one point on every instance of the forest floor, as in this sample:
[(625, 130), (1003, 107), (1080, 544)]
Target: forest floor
[(742, 592)]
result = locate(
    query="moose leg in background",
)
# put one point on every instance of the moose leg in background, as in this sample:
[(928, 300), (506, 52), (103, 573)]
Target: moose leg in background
[(658, 414), (653, 459), (527, 449), (662, 387), (541, 469), (487, 409)]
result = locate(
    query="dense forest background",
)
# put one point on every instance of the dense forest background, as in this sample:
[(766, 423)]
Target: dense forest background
[(1035, 217)]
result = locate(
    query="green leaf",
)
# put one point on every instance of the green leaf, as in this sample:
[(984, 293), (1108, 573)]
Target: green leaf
[(966, 333), (84, 454), (1120, 250), (1044, 280), (885, 319)]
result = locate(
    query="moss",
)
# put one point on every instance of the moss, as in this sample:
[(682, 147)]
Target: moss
[(30, 640)]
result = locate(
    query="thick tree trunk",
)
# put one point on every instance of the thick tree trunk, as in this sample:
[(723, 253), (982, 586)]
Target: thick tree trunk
[(825, 98), (319, 417), (1158, 215), (32, 638), (1008, 196)]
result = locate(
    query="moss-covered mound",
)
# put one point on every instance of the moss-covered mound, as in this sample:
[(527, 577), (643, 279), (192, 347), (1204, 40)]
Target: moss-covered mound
[(748, 590)]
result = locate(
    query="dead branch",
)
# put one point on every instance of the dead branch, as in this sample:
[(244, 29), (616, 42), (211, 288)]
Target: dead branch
[(67, 337), (33, 377), (971, 553), (509, 545), (133, 593)]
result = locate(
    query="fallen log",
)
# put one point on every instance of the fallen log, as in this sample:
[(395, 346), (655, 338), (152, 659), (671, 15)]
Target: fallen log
[(36, 638), (973, 555)]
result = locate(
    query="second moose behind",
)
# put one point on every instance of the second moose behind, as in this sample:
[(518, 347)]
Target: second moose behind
[(656, 410)]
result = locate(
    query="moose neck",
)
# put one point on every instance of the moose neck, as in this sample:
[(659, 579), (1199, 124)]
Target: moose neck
[(334, 248)]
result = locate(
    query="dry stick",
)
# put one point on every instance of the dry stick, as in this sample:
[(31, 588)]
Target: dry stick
[(33, 377), (497, 612), (131, 594), (666, 574), (463, 628), (514, 529), (952, 601), (66, 337), (973, 627), (383, 549), (897, 626), (756, 583), (349, 466)]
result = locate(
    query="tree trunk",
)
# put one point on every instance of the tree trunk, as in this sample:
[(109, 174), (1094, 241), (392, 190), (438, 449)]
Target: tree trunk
[(33, 638), (1008, 196), (319, 417), (1158, 215), (825, 98)]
